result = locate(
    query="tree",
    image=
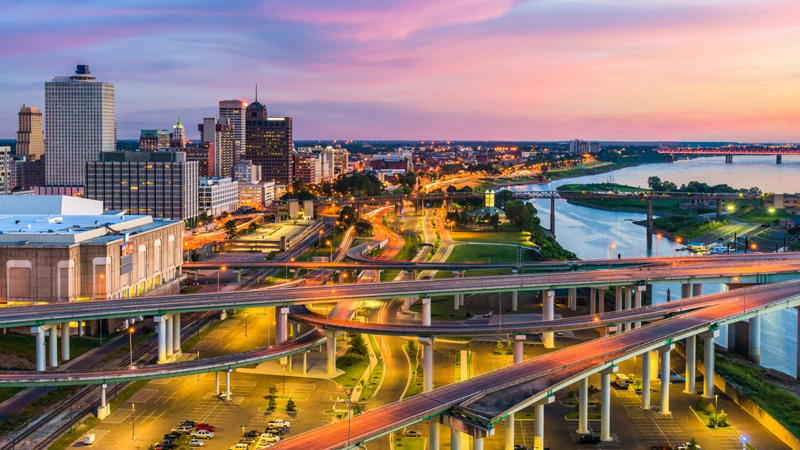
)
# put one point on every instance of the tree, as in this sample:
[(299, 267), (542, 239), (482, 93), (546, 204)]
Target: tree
[(230, 228), (699, 404), (359, 346), (722, 418), (712, 420), (272, 403), (182, 443), (290, 406), (363, 227), (348, 215), (273, 390), (711, 409), (692, 444), (494, 220), (500, 347), (522, 215), (654, 183), (501, 197), (252, 227)]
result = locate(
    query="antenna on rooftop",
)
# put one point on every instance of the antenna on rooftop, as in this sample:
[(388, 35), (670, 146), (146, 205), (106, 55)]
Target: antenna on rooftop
[(256, 92)]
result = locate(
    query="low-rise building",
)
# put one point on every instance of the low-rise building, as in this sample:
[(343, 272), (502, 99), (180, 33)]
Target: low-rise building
[(61, 249), (246, 172), (154, 140), (256, 195), (218, 196)]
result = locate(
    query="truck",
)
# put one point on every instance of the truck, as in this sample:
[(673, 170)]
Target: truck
[(278, 424), (88, 439), (622, 381)]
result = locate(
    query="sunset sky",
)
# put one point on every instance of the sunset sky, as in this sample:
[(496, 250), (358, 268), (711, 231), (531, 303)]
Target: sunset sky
[(426, 69)]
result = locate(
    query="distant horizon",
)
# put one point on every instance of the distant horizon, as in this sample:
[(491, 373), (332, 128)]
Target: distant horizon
[(498, 70)]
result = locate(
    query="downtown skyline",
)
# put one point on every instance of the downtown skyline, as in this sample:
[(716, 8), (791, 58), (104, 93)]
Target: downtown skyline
[(459, 70)]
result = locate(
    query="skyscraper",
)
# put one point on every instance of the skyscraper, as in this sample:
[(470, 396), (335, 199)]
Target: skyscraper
[(269, 144), (177, 139), (221, 152), (30, 139), (79, 125), (235, 111)]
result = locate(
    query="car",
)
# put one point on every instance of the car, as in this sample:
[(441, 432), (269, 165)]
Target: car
[(191, 423), (489, 314), (269, 438), (248, 440), (183, 429), (589, 439), (412, 433), (278, 424), (196, 443), (252, 433), (202, 434), (172, 436), (685, 446), (165, 445), (205, 426), (240, 446), (520, 447)]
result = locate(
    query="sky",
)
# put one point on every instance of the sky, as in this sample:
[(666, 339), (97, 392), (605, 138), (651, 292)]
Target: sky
[(657, 70)]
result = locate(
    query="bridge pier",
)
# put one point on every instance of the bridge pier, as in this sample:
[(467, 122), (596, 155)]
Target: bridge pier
[(719, 208), (330, 346), (54, 345), (708, 363), (176, 334), (686, 290), (538, 422), (755, 339), (105, 409), (509, 432), (65, 341), (628, 294), (170, 339), (548, 313), (41, 348), (583, 406), (601, 299), (477, 443), (605, 403), (728, 159), (618, 298), (646, 380), (228, 384), (161, 323), (426, 311), (216, 383), (637, 302), (691, 362), (427, 363), (553, 215), (697, 289), (777, 159), (519, 348), (649, 224), (514, 300), (434, 433), (665, 353), (798, 341), (572, 298), (592, 304)]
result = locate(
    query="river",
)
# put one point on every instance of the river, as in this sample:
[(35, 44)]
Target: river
[(590, 233)]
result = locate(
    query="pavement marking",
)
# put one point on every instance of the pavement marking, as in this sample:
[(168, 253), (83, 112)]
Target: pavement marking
[(143, 395), (118, 416)]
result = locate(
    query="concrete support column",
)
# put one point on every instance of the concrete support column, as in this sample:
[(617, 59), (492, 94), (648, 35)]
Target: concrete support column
[(665, 372), (605, 403), (161, 322), (65, 341), (697, 289), (654, 365), (105, 408), (282, 323), (80, 328), (519, 348), (646, 380), (456, 302), (509, 432), (573, 295), (330, 345), (427, 363), (755, 339), (434, 433), (514, 300), (455, 439), (691, 361), (686, 290), (477, 443), (618, 298), (592, 304), (708, 362), (176, 333), (637, 303), (601, 300), (228, 384), (216, 383), (583, 406), (628, 304), (305, 362), (798, 341), (169, 338), (426, 311), (41, 348), (54, 345), (538, 426), (548, 314)]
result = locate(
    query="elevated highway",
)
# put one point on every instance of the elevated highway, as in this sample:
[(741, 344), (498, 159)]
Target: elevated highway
[(489, 398)]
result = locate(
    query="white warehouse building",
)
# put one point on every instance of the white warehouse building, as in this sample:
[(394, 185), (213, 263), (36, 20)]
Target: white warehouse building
[(218, 196)]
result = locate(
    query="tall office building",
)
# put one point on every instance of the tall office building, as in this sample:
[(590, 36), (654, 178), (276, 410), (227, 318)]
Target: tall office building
[(269, 144), (158, 184), (30, 138), (308, 167), (177, 139), (221, 156), (235, 111), (5, 170), (79, 125)]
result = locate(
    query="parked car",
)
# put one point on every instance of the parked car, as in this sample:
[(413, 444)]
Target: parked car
[(205, 426), (252, 433), (685, 446), (269, 438), (489, 314), (196, 443), (278, 424), (412, 433), (202, 434), (165, 445), (589, 439), (172, 436), (191, 423), (183, 429)]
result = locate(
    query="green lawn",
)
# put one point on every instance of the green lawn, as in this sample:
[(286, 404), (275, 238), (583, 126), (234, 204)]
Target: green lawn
[(353, 366), (415, 387), (488, 254), (760, 215), (408, 443), (442, 309), (25, 346)]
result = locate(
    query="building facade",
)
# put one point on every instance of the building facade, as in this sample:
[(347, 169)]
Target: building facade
[(154, 140), (308, 168), (177, 139), (269, 144), (246, 172), (218, 196), (6, 165), (258, 195), (30, 135), (79, 125), (63, 249), (235, 112), (223, 153), (158, 184)]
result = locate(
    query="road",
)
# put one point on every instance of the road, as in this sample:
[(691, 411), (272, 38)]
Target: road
[(490, 396)]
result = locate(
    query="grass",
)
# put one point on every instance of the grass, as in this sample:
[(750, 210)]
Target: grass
[(25, 346), (409, 443), (688, 226), (760, 215), (415, 386), (353, 366), (324, 250), (69, 437), (442, 309), (488, 253), (495, 237), (372, 385)]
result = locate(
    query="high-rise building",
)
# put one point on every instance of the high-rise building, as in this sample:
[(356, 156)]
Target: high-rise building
[(26, 174), (177, 139), (308, 168), (158, 184), (269, 144), (235, 111), (583, 147), (30, 138), (5, 170), (247, 172), (340, 160), (154, 140), (218, 196), (222, 154), (79, 125)]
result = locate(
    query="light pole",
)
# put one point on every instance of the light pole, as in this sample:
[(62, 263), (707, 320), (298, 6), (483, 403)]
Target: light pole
[(130, 341), (245, 324), (330, 244), (675, 246), (744, 442), (221, 269), (319, 239), (349, 411), (613, 245), (658, 236), (133, 422)]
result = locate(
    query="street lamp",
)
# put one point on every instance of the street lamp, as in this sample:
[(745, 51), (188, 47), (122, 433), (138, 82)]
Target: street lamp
[(744, 442), (319, 239), (675, 246), (613, 245), (349, 411), (133, 422), (658, 236), (130, 341), (221, 269), (245, 324), (330, 244)]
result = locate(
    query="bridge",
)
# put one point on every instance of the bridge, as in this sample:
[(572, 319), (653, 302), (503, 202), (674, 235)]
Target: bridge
[(730, 150)]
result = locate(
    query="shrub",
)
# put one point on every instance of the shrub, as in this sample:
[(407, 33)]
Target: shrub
[(699, 404), (290, 406), (711, 409)]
